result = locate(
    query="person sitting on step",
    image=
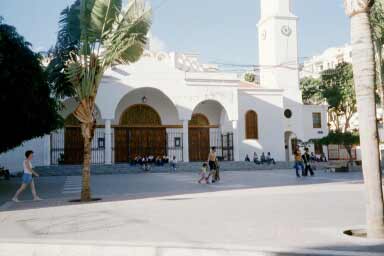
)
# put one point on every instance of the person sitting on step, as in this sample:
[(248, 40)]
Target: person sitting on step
[(165, 159), (262, 158), (269, 159), (159, 161), (256, 158)]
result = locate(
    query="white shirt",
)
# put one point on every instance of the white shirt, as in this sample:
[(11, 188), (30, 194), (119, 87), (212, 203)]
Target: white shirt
[(25, 162)]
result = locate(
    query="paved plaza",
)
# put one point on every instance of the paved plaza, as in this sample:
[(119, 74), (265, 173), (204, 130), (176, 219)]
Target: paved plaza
[(248, 213)]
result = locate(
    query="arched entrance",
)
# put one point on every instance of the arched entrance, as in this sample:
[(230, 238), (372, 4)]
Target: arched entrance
[(139, 133), (199, 141), (291, 142), (210, 127)]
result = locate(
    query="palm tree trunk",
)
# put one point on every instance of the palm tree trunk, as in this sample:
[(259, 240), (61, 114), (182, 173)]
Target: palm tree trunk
[(87, 131), (364, 75)]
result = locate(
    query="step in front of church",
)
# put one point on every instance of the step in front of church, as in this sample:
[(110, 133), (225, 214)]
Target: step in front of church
[(75, 170)]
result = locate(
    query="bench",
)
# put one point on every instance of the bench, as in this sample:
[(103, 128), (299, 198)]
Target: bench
[(336, 168)]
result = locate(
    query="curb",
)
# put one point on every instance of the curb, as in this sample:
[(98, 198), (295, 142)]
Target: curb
[(66, 249)]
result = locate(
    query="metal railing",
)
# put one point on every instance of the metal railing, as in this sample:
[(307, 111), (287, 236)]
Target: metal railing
[(67, 145), (70, 150)]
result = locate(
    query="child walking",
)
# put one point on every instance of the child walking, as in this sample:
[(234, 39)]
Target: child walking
[(173, 163), (27, 178), (203, 173)]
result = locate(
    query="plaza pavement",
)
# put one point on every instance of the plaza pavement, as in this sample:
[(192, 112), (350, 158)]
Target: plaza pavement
[(248, 213)]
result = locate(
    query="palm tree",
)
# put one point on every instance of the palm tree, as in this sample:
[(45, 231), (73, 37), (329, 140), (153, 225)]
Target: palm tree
[(109, 35), (364, 75)]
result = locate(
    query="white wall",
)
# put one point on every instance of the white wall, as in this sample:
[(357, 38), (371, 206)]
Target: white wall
[(309, 131), (13, 159), (212, 110), (185, 90), (269, 107), (155, 99)]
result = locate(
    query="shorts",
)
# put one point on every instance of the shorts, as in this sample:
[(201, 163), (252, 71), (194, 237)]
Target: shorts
[(27, 178), (212, 165)]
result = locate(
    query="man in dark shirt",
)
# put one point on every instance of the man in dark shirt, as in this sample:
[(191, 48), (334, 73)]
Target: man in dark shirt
[(307, 162)]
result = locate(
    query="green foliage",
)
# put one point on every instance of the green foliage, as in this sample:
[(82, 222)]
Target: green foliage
[(310, 88), (68, 39), (339, 138), (337, 88), (26, 106), (97, 17), (377, 24), (108, 36), (377, 20), (347, 139), (250, 77)]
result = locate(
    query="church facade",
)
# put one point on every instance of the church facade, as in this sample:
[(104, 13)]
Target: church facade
[(170, 104)]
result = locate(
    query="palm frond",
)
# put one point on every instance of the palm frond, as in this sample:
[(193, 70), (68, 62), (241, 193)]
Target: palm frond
[(70, 23), (126, 40), (97, 17)]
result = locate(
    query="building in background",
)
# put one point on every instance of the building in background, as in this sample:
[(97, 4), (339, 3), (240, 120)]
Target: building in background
[(313, 66), (171, 104)]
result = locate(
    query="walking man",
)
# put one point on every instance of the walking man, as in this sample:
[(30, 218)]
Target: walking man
[(212, 164), (307, 162)]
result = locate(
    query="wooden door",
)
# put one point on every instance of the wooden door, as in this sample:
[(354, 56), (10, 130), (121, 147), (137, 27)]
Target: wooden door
[(73, 145), (132, 142), (198, 144), (147, 142), (121, 145)]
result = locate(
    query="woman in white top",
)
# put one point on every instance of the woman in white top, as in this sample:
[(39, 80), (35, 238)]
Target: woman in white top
[(27, 177)]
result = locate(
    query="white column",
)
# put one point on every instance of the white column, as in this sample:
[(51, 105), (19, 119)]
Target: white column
[(236, 152), (47, 149), (185, 141), (108, 142)]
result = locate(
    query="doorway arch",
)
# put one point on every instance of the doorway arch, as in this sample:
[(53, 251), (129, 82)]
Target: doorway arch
[(140, 114), (139, 133), (205, 131), (290, 141), (199, 139)]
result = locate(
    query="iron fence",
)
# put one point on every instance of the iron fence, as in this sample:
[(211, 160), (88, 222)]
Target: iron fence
[(339, 152), (67, 146)]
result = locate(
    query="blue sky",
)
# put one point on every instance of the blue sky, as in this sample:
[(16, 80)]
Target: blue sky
[(220, 30)]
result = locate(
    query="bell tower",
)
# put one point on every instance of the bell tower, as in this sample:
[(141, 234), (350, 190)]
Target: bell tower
[(278, 49)]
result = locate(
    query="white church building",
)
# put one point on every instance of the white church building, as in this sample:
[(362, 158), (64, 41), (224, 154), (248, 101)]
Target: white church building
[(170, 104)]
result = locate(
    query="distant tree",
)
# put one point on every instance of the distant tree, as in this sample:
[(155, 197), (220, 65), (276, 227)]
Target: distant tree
[(26, 107), (347, 139), (310, 88), (250, 77), (337, 88)]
